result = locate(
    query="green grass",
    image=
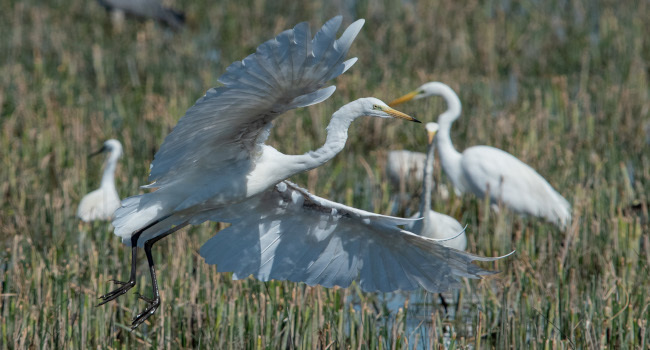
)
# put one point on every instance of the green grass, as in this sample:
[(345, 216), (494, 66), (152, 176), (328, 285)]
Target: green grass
[(581, 115)]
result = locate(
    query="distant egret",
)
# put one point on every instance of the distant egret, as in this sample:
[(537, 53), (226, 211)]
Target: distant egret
[(145, 9), (101, 203), (489, 171), (435, 225), (215, 166), (404, 167)]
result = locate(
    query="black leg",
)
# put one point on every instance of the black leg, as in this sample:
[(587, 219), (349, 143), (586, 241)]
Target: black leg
[(443, 302), (154, 302), (125, 286)]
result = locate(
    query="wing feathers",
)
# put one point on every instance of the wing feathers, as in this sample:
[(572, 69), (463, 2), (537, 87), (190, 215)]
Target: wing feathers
[(285, 72), (312, 243), (314, 97)]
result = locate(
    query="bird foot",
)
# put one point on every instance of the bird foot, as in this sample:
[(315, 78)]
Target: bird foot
[(124, 287), (144, 315), (148, 300)]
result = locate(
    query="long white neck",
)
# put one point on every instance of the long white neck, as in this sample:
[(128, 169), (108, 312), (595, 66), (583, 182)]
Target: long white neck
[(337, 135), (108, 178), (449, 157), (425, 204)]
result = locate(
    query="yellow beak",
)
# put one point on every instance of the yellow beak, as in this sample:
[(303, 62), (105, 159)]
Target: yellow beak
[(404, 98), (431, 135), (397, 114)]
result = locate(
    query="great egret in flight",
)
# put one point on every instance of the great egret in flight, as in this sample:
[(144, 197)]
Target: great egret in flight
[(215, 166), (435, 225), (101, 203), (489, 171)]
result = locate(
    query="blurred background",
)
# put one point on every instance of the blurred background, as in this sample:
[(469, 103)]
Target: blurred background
[(561, 85)]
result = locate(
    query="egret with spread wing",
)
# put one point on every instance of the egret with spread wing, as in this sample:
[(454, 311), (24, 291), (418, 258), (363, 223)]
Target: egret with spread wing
[(435, 225), (216, 166), (101, 203), (489, 171)]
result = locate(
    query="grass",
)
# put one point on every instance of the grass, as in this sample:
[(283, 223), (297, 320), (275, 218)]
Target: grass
[(561, 85)]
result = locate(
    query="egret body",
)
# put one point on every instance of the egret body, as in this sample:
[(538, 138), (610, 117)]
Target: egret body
[(489, 171), (101, 203), (435, 225)]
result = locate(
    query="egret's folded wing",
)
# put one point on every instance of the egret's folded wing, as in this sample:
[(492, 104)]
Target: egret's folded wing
[(224, 126), (289, 234), (519, 186)]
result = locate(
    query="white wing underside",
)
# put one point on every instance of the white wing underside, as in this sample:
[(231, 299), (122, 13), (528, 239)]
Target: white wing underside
[(289, 234)]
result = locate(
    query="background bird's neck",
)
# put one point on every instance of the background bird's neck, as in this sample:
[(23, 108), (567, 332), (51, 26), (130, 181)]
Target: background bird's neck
[(108, 178), (425, 204), (449, 157)]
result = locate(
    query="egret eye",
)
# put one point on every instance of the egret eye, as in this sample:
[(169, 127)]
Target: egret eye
[(376, 107)]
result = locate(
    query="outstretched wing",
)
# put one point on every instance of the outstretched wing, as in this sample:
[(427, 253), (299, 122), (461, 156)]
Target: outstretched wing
[(224, 126), (289, 234)]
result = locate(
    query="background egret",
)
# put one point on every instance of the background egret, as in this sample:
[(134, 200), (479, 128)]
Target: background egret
[(101, 203), (489, 171), (215, 166), (144, 9), (405, 168), (433, 224)]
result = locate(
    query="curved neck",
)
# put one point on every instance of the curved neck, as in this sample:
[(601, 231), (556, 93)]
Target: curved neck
[(449, 156), (337, 135), (425, 204), (108, 178)]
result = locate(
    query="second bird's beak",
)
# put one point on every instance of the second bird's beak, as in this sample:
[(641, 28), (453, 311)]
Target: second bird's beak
[(411, 95), (432, 135), (101, 150), (397, 114)]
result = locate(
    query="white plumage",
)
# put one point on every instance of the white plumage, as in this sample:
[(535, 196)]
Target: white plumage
[(101, 203), (317, 241), (489, 171), (404, 167), (215, 166), (435, 225)]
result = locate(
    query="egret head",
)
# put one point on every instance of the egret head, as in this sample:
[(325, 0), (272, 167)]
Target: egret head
[(374, 107), (433, 88), (113, 146), (432, 129)]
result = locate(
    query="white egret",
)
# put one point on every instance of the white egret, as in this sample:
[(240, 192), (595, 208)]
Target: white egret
[(435, 225), (405, 167), (101, 203), (215, 166), (489, 171)]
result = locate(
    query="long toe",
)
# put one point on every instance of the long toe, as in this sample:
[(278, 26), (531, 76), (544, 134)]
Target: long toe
[(148, 300), (144, 315), (124, 287)]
